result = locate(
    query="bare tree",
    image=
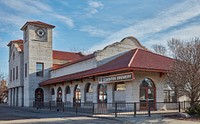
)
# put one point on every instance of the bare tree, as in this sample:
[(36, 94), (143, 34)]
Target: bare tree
[(159, 49), (3, 88), (80, 50), (173, 45), (185, 72), (2, 76)]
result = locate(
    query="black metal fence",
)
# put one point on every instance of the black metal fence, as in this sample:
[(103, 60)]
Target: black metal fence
[(114, 109)]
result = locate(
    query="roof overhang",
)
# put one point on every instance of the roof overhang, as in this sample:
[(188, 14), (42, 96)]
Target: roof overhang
[(38, 23)]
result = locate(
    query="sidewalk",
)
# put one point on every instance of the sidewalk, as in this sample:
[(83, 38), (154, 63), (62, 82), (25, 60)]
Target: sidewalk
[(140, 119), (154, 119)]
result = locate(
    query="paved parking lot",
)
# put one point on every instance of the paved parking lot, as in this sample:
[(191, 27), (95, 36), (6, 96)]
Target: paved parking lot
[(19, 115)]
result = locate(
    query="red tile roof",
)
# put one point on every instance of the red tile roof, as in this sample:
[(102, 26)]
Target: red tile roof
[(37, 23), (56, 66), (15, 41), (144, 59), (136, 59), (70, 56)]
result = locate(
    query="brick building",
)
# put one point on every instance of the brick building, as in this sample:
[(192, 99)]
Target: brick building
[(121, 72)]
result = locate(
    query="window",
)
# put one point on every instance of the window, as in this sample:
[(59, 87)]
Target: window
[(169, 93), (89, 88), (68, 90), (10, 75), (13, 74), (120, 86), (13, 55), (77, 92), (147, 94), (17, 72), (25, 69), (52, 92), (39, 69), (59, 95)]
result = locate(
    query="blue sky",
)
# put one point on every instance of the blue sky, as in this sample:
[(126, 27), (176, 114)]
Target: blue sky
[(92, 24)]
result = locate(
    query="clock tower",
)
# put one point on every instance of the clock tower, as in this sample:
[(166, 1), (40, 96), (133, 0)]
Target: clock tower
[(37, 60)]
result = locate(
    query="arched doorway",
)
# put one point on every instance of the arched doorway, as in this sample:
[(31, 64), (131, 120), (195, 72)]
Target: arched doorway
[(88, 93), (59, 95), (52, 94), (39, 94), (67, 94), (77, 94), (102, 93), (147, 94)]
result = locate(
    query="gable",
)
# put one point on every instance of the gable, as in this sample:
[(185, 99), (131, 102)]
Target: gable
[(114, 49)]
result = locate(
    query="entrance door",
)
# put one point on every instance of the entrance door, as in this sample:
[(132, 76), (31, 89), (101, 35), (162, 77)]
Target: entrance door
[(59, 95), (39, 98), (39, 95), (147, 94), (77, 95), (102, 93)]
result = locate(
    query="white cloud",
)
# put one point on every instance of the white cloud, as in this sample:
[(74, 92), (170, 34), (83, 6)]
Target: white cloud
[(12, 19), (33, 7), (94, 6), (68, 21), (185, 33), (25, 8), (175, 15), (93, 31)]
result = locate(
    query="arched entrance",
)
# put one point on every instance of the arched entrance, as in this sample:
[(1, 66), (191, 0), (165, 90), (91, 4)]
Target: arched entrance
[(59, 95), (39, 94), (52, 94), (67, 94), (77, 94), (88, 93), (102, 93), (147, 94)]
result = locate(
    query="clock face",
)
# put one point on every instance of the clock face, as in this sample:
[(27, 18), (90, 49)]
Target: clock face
[(40, 32)]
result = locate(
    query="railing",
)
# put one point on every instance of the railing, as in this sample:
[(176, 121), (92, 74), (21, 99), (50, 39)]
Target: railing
[(114, 109)]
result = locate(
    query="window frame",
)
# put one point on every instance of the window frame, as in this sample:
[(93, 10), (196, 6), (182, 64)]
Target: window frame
[(26, 69), (119, 83), (17, 72), (52, 91), (68, 90), (89, 88), (13, 74), (42, 69)]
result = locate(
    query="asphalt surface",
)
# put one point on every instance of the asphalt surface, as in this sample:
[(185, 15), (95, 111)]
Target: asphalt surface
[(23, 115)]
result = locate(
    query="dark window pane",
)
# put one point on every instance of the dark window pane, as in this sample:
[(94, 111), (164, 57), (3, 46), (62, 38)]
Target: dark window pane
[(39, 69), (25, 69), (17, 72)]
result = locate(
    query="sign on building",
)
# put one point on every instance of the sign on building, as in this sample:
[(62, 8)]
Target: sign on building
[(116, 78)]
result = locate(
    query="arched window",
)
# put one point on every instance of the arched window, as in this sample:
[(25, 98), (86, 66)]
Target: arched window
[(59, 95), (147, 94), (39, 94), (147, 83), (102, 93), (88, 88), (77, 92), (52, 91), (67, 91)]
